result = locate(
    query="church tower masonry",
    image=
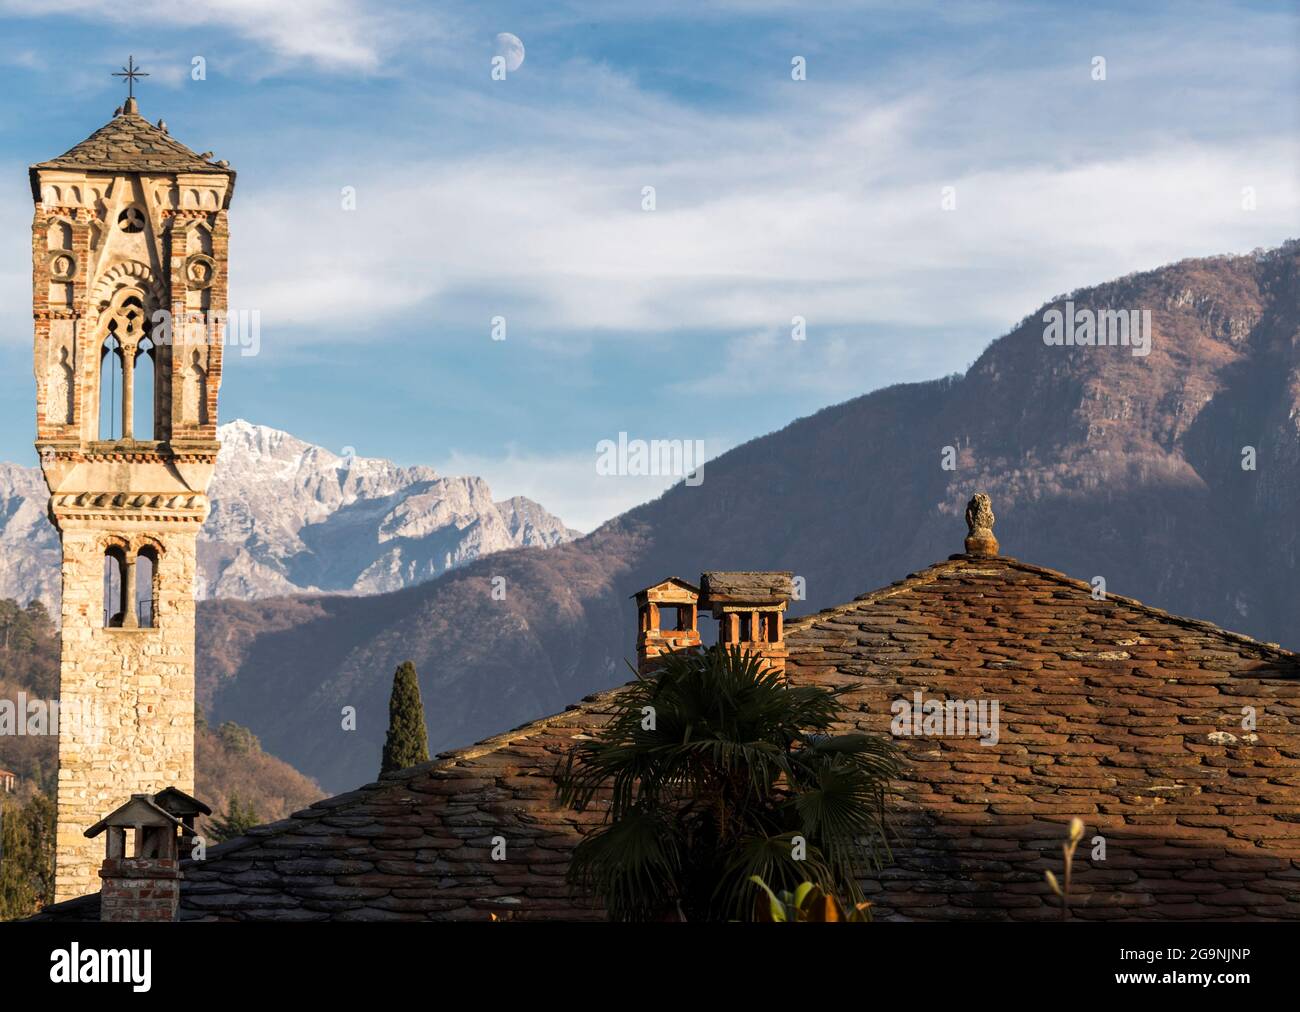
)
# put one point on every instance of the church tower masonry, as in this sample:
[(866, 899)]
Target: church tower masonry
[(129, 246)]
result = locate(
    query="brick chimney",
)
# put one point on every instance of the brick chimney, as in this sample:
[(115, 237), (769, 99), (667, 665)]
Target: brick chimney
[(676, 600), (147, 885), (750, 609)]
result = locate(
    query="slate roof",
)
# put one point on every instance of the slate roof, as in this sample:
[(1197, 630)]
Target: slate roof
[(1119, 713), (130, 143)]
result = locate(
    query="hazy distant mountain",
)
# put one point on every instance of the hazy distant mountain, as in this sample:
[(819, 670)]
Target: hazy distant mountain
[(289, 517), (29, 546), (1099, 462)]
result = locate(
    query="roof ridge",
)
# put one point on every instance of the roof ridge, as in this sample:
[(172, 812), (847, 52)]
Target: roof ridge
[(1182, 620), (930, 574), (444, 760), (917, 579)]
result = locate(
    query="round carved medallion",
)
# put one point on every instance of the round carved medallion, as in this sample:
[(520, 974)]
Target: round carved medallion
[(63, 265), (200, 269)]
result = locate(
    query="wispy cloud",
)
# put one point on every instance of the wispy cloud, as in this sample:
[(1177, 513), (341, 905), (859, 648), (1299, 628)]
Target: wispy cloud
[(334, 34), (566, 483), (815, 199), (730, 249)]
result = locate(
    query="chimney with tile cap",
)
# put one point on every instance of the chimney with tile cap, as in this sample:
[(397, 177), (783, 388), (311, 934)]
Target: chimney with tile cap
[(750, 609), (147, 885), (653, 641), (186, 810)]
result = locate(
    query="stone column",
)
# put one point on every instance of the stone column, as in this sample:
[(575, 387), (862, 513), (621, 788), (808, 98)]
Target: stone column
[(129, 618), (128, 391)]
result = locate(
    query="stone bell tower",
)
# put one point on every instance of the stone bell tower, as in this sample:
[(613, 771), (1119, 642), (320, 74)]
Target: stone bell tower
[(129, 244)]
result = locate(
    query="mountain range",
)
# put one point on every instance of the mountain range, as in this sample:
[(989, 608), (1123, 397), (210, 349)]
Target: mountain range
[(289, 517), (1174, 476)]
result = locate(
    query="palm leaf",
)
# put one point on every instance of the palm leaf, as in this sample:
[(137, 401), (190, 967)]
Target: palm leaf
[(737, 766)]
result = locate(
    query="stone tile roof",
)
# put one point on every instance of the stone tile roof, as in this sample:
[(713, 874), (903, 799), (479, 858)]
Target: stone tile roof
[(1121, 714), (417, 844), (130, 143), (746, 587)]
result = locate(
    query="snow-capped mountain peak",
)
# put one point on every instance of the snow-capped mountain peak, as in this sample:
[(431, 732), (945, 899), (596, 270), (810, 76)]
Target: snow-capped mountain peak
[(290, 517)]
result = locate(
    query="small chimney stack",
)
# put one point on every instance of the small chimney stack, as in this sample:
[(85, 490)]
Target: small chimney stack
[(680, 602), (750, 609), (184, 809), (147, 885)]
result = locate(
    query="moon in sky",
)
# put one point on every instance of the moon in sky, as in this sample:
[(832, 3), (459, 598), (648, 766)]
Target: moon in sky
[(512, 49)]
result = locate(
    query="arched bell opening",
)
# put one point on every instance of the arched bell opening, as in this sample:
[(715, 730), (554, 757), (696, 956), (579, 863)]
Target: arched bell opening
[(115, 587), (111, 384), (145, 405)]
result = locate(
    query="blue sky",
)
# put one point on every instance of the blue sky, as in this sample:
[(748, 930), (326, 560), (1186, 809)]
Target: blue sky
[(775, 198)]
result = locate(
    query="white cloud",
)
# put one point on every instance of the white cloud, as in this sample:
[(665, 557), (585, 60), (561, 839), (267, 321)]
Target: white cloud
[(566, 484), (818, 201), (832, 364), (337, 34), (734, 247)]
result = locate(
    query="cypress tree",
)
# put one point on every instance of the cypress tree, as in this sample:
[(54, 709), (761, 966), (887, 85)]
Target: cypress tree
[(408, 741)]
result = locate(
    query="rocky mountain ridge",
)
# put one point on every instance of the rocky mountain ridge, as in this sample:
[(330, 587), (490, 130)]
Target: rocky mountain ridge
[(289, 517)]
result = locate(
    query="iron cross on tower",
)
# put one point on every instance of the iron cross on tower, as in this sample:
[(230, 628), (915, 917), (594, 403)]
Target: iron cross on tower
[(130, 72)]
